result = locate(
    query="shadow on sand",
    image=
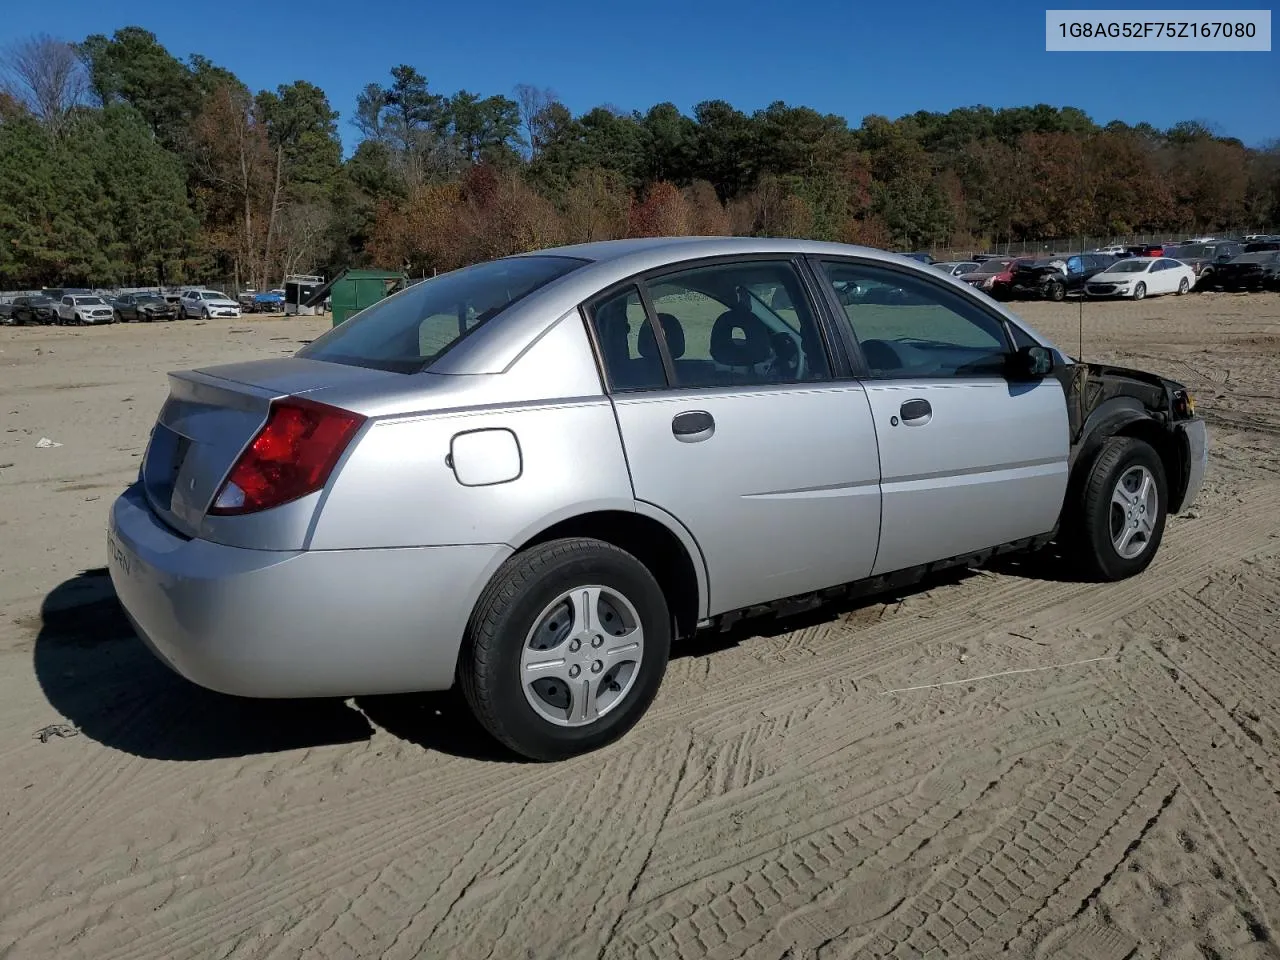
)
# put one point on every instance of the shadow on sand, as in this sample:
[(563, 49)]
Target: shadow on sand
[(96, 672)]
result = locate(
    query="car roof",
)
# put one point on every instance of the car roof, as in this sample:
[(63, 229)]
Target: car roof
[(495, 346)]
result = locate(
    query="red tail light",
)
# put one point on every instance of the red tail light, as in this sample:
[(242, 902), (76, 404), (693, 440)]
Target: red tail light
[(292, 456)]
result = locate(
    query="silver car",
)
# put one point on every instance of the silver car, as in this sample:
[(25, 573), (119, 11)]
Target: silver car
[(531, 476)]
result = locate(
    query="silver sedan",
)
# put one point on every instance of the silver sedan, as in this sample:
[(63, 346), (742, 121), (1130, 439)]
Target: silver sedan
[(528, 476)]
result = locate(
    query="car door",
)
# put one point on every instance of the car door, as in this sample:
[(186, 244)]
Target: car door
[(734, 424), (67, 309), (969, 459)]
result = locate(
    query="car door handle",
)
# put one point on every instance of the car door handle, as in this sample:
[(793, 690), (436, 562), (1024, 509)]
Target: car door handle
[(916, 413), (693, 426)]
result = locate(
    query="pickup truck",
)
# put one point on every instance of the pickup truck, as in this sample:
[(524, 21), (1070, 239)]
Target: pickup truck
[(530, 476)]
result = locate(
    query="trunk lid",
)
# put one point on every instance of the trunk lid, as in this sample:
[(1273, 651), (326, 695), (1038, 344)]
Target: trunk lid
[(211, 415)]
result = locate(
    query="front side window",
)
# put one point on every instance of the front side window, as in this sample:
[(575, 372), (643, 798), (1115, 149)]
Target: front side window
[(406, 332), (907, 327), (743, 323)]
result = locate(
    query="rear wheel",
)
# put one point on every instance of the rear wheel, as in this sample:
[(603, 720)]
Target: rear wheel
[(566, 648), (1140, 291), (1183, 286), (1056, 291), (1120, 517)]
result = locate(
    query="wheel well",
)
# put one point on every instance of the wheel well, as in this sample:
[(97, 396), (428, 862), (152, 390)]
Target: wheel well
[(1165, 443), (649, 542)]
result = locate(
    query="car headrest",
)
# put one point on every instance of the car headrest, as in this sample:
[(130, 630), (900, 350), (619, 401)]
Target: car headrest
[(740, 339), (647, 343)]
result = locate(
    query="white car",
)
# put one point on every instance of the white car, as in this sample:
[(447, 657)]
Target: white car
[(207, 305), (85, 308), (1115, 250), (956, 268), (1141, 277)]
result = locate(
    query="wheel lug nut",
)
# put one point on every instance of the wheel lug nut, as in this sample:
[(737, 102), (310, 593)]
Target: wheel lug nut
[(597, 641), (596, 666), (575, 646), (575, 670)]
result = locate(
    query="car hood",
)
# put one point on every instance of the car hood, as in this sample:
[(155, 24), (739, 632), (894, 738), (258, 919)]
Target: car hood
[(219, 303)]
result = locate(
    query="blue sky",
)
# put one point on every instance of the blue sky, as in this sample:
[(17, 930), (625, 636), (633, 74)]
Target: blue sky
[(841, 57)]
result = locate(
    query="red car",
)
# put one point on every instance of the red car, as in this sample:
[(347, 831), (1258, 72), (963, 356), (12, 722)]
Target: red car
[(994, 276)]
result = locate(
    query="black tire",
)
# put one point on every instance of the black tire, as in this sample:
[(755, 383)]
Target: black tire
[(1184, 287), (508, 609), (1091, 518), (1140, 291), (1056, 291)]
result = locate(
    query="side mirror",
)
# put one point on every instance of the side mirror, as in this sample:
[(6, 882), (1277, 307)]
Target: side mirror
[(1031, 363)]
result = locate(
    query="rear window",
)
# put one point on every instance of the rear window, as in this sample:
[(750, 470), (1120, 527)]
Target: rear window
[(409, 330)]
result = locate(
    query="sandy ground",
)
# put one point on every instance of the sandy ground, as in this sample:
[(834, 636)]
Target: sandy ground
[(786, 796)]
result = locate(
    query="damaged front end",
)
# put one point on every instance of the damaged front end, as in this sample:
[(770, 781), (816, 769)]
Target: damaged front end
[(1104, 400)]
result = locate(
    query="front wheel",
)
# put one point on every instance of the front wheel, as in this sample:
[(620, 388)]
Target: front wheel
[(1183, 286), (1120, 517), (1140, 291), (566, 648), (1056, 291)]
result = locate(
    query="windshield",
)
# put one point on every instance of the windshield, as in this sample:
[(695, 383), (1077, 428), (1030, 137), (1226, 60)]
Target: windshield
[(213, 295), (993, 266), (90, 301), (40, 301), (1130, 266), (407, 331), (148, 298)]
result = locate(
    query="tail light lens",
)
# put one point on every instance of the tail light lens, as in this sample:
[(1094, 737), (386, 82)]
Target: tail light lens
[(291, 456)]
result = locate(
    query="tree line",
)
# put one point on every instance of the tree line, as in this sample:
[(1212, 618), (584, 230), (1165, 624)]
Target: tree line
[(123, 164)]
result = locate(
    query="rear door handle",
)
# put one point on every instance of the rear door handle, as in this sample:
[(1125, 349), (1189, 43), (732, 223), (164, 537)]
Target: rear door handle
[(693, 426), (916, 413)]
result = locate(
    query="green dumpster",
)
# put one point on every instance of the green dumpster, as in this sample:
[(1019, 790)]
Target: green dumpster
[(353, 290)]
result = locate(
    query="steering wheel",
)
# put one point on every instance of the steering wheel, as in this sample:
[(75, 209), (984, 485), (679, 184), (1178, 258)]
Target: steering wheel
[(788, 361)]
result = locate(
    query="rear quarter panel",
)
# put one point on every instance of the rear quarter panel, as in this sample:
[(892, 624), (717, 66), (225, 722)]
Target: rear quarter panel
[(399, 486)]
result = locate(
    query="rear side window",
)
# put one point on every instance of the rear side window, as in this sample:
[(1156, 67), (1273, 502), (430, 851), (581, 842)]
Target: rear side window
[(746, 323), (628, 348), (409, 330)]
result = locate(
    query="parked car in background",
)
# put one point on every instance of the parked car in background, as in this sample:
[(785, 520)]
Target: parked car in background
[(207, 305), (33, 310), (920, 255), (1261, 246), (1139, 277), (1054, 277), (403, 505), (85, 309), (143, 308), (6, 313), (995, 275), (1258, 270), (1204, 258), (1145, 250), (1115, 250), (956, 268)]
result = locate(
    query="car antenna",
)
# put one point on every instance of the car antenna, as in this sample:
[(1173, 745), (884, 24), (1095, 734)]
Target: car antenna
[(1080, 321)]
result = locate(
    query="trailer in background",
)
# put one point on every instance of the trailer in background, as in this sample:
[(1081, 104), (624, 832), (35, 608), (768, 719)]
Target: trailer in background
[(298, 292)]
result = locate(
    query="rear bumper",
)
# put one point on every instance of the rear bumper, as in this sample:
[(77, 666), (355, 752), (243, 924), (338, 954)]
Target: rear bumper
[(261, 623), (1195, 436)]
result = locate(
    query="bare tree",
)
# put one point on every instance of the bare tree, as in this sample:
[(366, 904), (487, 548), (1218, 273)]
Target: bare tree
[(533, 102), (47, 76), (302, 235)]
